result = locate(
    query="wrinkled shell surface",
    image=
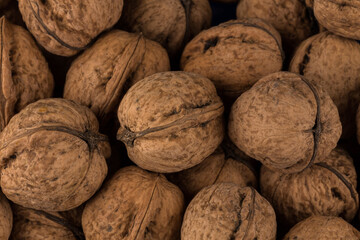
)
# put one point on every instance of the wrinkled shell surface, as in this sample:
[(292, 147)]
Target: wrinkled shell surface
[(228, 212), (6, 218), (319, 59), (323, 228), (97, 77), (234, 55), (170, 22), (66, 27), (171, 121), (52, 157), (327, 188), (339, 16), (135, 204), (24, 73), (276, 122)]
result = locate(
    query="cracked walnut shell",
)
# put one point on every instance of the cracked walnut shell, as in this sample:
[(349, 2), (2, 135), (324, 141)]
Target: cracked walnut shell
[(6, 217)]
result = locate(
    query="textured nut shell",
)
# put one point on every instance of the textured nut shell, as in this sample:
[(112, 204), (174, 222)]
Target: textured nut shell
[(273, 122), (6, 218), (24, 73), (323, 228), (358, 123), (234, 55), (226, 211), (66, 27), (174, 120), (319, 59), (167, 21), (96, 78), (339, 16), (51, 156), (327, 188), (135, 204)]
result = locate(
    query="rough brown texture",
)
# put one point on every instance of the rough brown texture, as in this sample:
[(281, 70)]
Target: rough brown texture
[(172, 23), (171, 121), (135, 204), (66, 27), (290, 17), (234, 55), (327, 188), (339, 16), (96, 78), (285, 122), (24, 73), (320, 59), (226, 164), (323, 228), (358, 124), (6, 217), (228, 212), (52, 157)]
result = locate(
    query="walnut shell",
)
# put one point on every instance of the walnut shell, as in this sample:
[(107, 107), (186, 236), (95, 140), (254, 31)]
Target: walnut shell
[(52, 157), (339, 16), (228, 212), (135, 204), (358, 123), (285, 122), (172, 23), (171, 121), (6, 217), (96, 78), (323, 228), (326, 188), (319, 59), (25, 75), (67, 27), (234, 55)]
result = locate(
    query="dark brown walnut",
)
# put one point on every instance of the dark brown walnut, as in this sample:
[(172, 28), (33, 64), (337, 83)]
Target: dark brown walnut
[(135, 204), (326, 188), (171, 121), (323, 228), (35, 224), (339, 16), (291, 18), (96, 78), (228, 212), (52, 156), (66, 27), (6, 217), (226, 164), (319, 59), (234, 55), (358, 124), (172, 23), (24, 73), (285, 122)]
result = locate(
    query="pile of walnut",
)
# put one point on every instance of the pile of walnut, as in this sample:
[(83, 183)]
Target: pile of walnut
[(142, 120)]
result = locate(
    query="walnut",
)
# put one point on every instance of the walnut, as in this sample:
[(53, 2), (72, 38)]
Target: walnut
[(6, 217), (358, 123)]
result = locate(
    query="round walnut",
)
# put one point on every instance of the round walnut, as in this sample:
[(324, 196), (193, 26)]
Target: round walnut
[(319, 59), (171, 121), (234, 55), (228, 212), (135, 204), (52, 157), (67, 27), (172, 23), (292, 18), (323, 228), (285, 122), (6, 218), (25, 76), (96, 78), (326, 188), (339, 16)]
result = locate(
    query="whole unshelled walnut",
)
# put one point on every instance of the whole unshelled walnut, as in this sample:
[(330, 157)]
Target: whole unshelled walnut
[(134, 204), (52, 156), (67, 27), (6, 217), (285, 121)]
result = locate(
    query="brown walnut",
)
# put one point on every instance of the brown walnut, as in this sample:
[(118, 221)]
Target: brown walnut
[(6, 217)]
